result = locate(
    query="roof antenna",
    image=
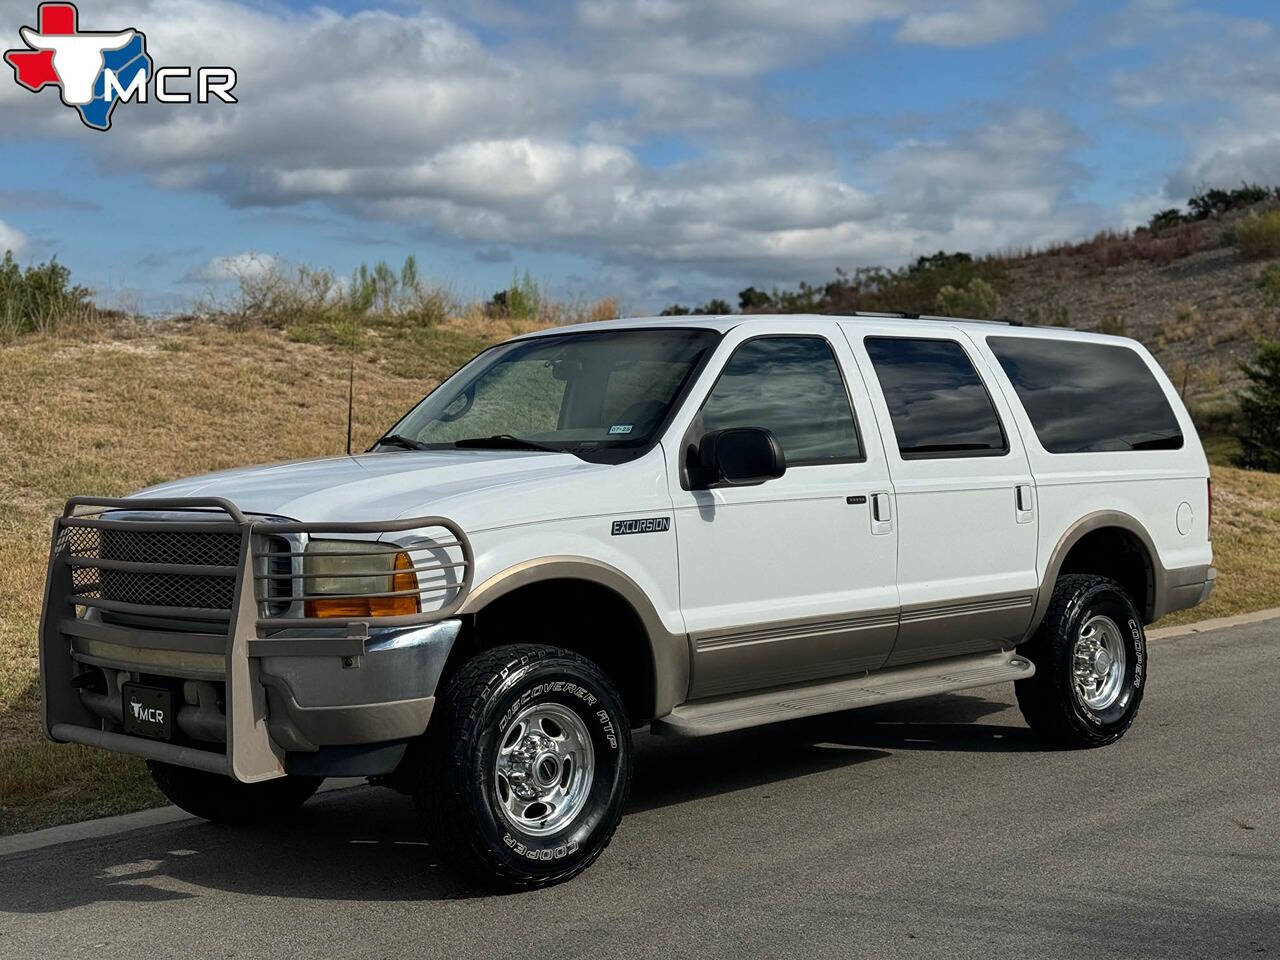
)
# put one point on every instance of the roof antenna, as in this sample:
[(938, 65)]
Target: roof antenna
[(351, 384)]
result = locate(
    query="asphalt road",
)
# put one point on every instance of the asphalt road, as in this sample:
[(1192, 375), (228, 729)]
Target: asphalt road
[(931, 829)]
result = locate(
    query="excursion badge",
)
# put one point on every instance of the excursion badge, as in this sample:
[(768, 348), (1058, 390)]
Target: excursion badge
[(649, 525)]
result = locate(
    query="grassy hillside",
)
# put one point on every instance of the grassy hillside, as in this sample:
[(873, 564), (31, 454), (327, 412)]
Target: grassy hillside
[(110, 413), (107, 416), (1200, 312), (1199, 289)]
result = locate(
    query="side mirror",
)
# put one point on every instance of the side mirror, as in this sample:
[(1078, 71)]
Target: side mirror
[(741, 457)]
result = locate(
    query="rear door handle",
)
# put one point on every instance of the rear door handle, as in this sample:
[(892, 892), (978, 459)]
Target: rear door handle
[(881, 513), (1024, 503)]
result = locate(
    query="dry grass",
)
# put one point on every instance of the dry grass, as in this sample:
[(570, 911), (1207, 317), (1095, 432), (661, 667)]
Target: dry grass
[(1246, 529), (108, 416)]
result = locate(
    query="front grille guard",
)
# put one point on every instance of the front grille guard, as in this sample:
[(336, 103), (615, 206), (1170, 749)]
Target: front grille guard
[(251, 627)]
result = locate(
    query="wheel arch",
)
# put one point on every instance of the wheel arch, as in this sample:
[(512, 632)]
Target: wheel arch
[(664, 682), (1109, 543)]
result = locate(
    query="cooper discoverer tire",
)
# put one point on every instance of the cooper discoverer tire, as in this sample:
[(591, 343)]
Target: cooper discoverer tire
[(1090, 653), (525, 766), (220, 799)]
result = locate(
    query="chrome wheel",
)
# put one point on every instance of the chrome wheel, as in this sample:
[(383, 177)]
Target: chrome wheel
[(1098, 663), (544, 769)]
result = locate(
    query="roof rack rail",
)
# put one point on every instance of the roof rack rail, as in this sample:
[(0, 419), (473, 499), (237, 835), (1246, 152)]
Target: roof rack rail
[(900, 315)]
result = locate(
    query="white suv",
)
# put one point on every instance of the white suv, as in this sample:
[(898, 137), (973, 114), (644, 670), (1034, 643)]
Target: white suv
[(699, 525)]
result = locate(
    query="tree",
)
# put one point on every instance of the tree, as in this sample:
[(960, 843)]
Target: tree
[(978, 300), (1259, 430), (752, 300), (1170, 217)]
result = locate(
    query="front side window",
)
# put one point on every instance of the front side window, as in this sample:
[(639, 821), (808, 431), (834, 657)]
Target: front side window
[(937, 402), (791, 386), (579, 393), (1088, 397)]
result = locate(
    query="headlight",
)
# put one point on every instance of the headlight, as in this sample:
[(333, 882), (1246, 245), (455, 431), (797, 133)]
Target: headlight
[(342, 578)]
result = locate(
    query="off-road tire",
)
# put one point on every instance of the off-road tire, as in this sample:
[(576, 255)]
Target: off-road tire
[(456, 783), (220, 799), (1049, 701)]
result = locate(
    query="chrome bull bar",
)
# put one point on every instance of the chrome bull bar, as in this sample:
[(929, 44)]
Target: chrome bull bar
[(239, 619)]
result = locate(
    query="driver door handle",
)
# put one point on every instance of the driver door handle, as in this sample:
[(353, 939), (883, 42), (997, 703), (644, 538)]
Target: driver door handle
[(1024, 503), (881, 513)]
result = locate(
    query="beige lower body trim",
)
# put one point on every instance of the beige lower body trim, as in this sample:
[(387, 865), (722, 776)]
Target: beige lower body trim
[(932, 631), (790, 652), (1182, 588)]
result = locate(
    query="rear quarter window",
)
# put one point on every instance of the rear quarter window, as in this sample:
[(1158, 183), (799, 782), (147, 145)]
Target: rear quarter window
[(1088, 397), (937, 402)]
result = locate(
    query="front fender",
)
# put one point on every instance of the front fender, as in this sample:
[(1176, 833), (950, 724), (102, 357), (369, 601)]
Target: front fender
[(669, 650)]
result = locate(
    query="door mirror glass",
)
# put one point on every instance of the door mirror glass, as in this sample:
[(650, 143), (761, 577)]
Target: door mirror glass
[(740, 457)]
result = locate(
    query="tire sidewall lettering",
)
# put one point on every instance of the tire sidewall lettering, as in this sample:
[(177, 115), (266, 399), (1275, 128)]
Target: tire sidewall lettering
[(1119, 611), (511, 692), (543, 854)]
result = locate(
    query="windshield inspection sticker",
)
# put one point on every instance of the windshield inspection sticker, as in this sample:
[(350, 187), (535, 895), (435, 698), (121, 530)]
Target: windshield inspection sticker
[(648, 525)]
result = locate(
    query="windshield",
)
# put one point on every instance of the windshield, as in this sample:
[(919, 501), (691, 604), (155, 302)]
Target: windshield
[(575, 392)]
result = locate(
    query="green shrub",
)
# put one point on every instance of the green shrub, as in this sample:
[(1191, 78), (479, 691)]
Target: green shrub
[(272, 294), (977, 299), (520, 301), (1269, 284), (1165, 219), (1112, 324), (39, 299), (1259, 430), (1209, 202), (712, 308), (1258, 237)]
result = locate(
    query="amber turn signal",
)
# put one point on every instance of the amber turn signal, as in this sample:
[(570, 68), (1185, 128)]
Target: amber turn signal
[(402, 581)]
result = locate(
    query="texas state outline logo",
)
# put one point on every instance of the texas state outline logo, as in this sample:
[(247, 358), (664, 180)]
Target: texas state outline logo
[(96, 70)]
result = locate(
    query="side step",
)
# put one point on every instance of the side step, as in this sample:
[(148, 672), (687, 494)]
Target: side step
[(703, 717)]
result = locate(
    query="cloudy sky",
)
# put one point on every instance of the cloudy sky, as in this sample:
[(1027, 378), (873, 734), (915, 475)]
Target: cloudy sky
[(660, 150)]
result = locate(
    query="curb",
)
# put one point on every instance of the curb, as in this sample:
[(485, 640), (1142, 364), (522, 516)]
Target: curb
[(121, 823), (1218, 623), (161, 816)]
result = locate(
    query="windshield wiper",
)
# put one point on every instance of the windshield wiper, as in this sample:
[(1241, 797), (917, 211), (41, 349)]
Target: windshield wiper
[(504, 441), (396, 440)]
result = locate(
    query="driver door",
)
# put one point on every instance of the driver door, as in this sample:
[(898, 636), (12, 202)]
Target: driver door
[(793, 579)]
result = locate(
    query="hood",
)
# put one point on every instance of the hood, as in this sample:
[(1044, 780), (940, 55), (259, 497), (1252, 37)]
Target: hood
[(375, 486)]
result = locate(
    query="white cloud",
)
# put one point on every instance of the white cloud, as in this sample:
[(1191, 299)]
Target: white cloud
[(11, 238), (415, 119), (1221, 73), (240, 266), (976, 23)]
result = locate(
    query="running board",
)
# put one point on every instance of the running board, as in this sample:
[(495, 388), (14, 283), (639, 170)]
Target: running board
[(703, 717)]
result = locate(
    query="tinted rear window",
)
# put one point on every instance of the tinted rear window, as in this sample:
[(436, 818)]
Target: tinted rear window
[(937, 401), (1088, 397)]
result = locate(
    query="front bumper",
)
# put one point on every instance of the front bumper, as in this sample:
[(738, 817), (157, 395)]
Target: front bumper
[(387, 693), (256, 693)]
